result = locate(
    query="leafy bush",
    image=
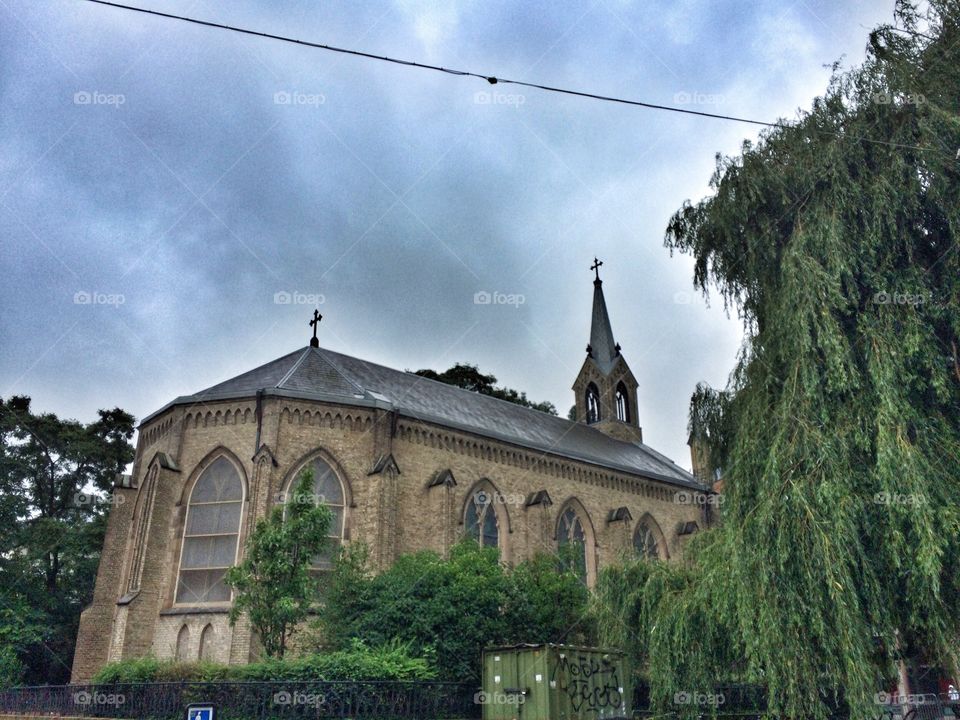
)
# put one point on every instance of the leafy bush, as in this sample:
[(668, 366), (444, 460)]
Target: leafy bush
[(11, 668), (358, 662), (452, 609), (201, 671), (145, 669)]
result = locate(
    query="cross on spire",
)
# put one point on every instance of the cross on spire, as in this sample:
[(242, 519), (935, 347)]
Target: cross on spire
[(596, 267), (317, 317)]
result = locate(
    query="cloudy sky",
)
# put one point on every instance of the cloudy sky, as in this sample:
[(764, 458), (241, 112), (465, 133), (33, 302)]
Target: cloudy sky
[(165, 187)]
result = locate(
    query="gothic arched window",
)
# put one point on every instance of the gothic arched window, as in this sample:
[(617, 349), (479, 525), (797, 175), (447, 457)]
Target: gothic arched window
[(646, 542), (183, 644), (572, 542), (623, 403), (328, 490), (206, 643), (210, 534), (593, 404), (480, 519)]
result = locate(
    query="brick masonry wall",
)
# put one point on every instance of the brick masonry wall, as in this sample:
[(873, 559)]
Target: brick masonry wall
[(391, 513), (96, 621)]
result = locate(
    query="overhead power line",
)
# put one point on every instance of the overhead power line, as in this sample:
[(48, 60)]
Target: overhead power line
[(492, 79)]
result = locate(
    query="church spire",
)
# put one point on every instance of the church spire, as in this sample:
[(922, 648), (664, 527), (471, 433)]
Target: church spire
[(606, 390), (602, 347)]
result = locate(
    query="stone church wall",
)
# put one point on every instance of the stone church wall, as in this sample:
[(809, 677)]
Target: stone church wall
[(133, 612)]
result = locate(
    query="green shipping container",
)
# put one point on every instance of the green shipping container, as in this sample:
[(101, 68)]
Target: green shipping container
[(555, 682)]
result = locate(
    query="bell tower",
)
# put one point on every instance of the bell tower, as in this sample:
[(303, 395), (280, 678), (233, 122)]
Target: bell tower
[(605, 388)]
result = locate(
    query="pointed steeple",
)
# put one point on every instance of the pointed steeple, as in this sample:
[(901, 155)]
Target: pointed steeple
[(606, 390), (602, 347)]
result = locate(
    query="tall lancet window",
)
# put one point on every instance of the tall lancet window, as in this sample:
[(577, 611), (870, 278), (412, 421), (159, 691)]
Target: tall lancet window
[(210, 534), (593, 404), (623, 403), (572, 542), (327, 490), (480, 519)]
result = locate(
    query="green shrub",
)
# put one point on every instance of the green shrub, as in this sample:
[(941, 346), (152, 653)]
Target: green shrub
[(453, 608), (137, 670), (11, 668), (201, 671), (359, 662)]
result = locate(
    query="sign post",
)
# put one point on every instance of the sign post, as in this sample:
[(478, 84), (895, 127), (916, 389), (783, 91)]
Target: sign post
[(201, 711)]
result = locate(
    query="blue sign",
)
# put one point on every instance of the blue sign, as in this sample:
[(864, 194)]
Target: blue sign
[(200, 712)]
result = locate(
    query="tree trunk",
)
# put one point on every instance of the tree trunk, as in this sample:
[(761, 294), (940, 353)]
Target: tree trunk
[(903, 685)]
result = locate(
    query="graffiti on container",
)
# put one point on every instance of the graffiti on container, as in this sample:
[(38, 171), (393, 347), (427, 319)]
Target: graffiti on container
[(591, 684)]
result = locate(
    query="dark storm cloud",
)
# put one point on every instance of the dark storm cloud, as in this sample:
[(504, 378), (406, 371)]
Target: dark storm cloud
[(178, 178)]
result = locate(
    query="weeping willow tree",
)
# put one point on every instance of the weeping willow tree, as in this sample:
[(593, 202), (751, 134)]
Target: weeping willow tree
[(835, 239)]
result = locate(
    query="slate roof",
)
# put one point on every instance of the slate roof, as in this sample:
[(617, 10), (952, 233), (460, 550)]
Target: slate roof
[(324, 375)]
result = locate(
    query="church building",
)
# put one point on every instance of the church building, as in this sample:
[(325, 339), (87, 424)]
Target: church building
[(404, 462)]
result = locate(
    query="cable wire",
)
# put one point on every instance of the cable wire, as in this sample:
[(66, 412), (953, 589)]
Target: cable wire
[(492, 79)]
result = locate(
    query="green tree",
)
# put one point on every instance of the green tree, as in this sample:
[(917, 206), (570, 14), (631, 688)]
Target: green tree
[(839, 434), (275, 584), (449, 610), (470, 378), (547, 601), (55, 482)]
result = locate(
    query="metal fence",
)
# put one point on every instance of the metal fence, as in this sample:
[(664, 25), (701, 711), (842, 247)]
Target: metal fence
[(749, 702), (380, 700)]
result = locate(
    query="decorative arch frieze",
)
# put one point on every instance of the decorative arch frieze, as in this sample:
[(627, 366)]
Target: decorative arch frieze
[(559, 468)]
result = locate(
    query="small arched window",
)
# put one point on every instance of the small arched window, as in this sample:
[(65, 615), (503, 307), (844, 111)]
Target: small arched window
[(623, 403), (645, 541), (206, 643), (572, 542), (327, 490), (183, 644), (480, 519), (210, 534), (593, 404)]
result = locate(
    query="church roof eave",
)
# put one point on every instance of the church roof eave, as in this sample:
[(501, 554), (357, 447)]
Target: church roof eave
[(200, 401), (503, 437), (321, 375)]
